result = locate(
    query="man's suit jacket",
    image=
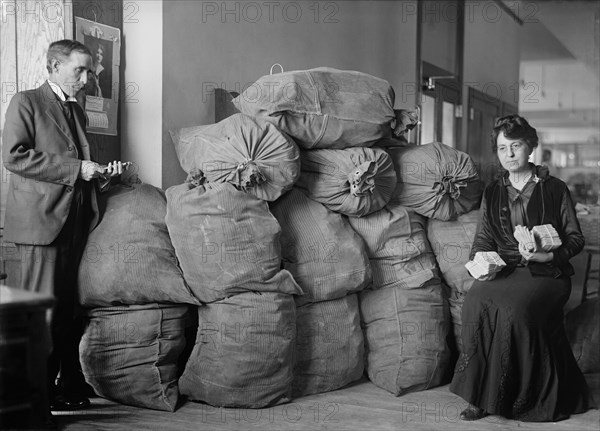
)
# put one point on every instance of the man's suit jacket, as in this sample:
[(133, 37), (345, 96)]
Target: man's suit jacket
[(39, 148)]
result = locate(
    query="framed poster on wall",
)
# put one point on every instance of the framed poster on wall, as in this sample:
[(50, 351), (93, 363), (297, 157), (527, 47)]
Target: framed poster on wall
[(102, 88)]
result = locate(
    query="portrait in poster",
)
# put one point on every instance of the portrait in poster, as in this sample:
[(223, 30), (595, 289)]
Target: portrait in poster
[(102, 88), (101, 84)]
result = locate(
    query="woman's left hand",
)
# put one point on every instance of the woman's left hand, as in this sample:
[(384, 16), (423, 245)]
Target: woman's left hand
[(536, 256)]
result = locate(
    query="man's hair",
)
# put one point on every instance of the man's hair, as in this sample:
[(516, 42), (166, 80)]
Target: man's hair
[(514, 127), (62, 49)]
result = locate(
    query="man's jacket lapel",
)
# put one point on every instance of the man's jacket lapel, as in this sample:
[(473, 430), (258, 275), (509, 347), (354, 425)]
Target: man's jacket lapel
[(55, 111)]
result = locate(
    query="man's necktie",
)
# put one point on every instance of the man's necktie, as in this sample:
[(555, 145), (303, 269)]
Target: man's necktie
[(69, 108)]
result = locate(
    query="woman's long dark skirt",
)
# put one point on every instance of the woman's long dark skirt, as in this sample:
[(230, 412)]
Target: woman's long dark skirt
[(516, 360)]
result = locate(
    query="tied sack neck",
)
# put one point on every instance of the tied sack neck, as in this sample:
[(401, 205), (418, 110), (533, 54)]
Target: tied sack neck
[(448, 185), (249, 174), (362, 179)]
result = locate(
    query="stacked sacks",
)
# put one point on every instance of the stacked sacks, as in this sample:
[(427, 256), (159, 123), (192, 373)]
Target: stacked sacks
[(244, 351), (228, 244), (397, 247), (130, 353), (436, 180), (451, 242), (320, 249), (351, 181), (340, 177), (226, 240), (241, 150), (131, 283), (323, 107), (406, 337), (329, 346), (404, 314), (334, 116), (328, 260), (328, 112), (131, 243)]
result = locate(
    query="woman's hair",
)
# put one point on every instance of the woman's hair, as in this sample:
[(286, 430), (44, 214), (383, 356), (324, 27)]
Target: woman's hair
[(96, 45), (61, 49), (514, 127)]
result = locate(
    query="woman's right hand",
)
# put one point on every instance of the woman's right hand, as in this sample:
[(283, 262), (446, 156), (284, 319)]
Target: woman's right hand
[(488, 277), (475, 272)]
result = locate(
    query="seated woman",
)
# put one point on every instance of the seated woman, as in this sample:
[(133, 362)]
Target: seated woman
[(517, 361)]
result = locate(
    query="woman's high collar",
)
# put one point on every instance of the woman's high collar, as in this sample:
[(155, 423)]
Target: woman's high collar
[(539, 172)]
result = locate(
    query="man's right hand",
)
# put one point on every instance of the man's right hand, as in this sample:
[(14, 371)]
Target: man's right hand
[(90, 170)]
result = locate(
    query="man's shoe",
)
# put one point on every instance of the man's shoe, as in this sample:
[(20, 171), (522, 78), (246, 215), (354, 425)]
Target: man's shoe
[(62, 403), (472, 413)]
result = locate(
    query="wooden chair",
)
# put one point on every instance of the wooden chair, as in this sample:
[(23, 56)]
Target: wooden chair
[(3, 275), (592, 272)]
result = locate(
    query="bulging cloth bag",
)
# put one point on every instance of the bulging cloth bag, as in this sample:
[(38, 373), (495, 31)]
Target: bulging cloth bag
[(129, 258), (129, 354), (353, 181), (451, 242), (406, 337), (323, 107), (397, 246), (329, 346), (320, 249), (227, 241), (436, 180), (244, 352), (245, 151)]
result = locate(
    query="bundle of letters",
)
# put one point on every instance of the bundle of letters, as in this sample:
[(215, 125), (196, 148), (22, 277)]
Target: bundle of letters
[(525, 238), (542, 237), (546, 237), (485, 263)]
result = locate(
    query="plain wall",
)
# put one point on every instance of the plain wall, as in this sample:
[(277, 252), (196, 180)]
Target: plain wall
[(141, 113), (492, 51), (231, 44), (439, 33), (491, 62)]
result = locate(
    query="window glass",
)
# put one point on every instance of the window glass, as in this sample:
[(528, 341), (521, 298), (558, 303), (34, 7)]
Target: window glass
[(427, 120), (448, 124)]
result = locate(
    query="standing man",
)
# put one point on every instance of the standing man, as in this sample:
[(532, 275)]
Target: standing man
[(51, 203)]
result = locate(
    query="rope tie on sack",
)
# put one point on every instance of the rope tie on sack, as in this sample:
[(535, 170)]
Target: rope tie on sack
[(249, 174), (362, 179), (196, 178), (449, 186), (405, 121)]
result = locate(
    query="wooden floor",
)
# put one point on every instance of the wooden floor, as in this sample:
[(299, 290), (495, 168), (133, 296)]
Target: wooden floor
[(360, 406)]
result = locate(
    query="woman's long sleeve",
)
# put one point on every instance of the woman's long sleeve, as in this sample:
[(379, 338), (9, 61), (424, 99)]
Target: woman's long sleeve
[(483, 239), (574, 240)]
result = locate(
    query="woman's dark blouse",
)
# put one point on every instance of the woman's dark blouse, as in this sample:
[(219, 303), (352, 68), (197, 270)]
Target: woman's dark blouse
[(543, 200)]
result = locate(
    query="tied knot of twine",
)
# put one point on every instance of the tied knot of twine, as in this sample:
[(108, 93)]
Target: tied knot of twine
[(196, 178), (449, 186), (404, 121), (249, 174), (361, 179)]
